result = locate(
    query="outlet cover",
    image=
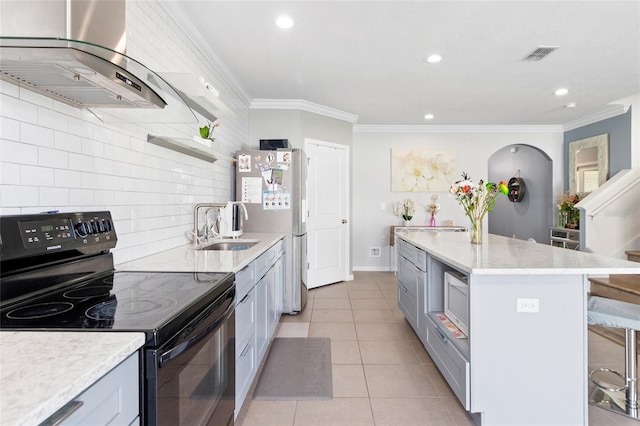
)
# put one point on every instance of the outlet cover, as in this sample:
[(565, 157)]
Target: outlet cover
[(527, 305), (374, 251)]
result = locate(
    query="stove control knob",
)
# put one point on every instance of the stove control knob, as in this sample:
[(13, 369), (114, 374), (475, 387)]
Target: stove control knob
[(82, 229), (97, 226), (107, 225)]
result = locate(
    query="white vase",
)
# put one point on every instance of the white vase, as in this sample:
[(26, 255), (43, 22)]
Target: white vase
[(407, 223)]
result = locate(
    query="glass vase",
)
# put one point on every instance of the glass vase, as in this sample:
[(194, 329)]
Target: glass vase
[(432, 222), (563, 217), (476, 229)]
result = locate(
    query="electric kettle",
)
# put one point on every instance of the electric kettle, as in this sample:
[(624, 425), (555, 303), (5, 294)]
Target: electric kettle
[(231, 220)]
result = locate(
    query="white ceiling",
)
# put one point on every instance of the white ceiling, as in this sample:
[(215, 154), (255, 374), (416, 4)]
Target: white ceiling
[(368, 57)]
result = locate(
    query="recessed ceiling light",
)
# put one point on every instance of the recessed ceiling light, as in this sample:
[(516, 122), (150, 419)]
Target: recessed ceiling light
[(435, 58), (284, 22), (570, 105), (561, 92), (429, 117)]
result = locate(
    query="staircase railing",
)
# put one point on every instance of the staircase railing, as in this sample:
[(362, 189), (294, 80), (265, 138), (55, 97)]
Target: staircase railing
[(610, 216)]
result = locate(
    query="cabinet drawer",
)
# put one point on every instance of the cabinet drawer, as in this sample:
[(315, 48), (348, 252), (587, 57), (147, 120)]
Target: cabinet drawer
[(407, 303), (245, 319), (407, 274), (246, 368), (262, 264), (244, 281), (113, 399), (413, 254), (452, 364), (408, 251), (279, 248)]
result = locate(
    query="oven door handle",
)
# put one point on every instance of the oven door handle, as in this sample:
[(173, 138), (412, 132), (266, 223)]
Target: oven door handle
[(187, 344)]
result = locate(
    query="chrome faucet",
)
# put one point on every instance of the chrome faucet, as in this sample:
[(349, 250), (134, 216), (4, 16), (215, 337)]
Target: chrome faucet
[(197, 233)]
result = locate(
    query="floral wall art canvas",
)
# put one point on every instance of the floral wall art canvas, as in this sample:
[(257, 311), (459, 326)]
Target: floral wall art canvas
[(420, 170)]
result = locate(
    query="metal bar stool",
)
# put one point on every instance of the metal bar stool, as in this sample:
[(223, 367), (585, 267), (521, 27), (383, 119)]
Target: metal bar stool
[(617, 314)]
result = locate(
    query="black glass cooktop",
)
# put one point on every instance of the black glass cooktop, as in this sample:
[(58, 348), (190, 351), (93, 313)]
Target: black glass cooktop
[(153, 302)]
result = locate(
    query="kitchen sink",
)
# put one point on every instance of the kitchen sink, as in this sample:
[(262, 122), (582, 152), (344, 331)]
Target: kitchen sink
[(229, 245)]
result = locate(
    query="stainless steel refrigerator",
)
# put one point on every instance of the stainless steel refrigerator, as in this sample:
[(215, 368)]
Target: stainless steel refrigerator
[(272, 185)]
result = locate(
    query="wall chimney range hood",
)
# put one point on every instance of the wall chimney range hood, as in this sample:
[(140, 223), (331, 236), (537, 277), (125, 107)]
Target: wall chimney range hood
[(74, 51)]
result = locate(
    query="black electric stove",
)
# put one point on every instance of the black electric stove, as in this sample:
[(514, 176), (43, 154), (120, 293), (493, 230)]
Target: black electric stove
[(57, 273)]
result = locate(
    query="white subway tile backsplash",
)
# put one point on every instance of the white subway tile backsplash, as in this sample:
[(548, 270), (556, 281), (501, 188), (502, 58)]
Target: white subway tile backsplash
[(92, 148), (10, 89), (53, 198), (36, 176), (9, 129), (67, 178), (103, 166), (53, 158), (53, 119), (80, 162), (15, 152), (67, 142), (19, 196), (83, 197), (80, 127), (36, 135), (16, 108), (10, 173)]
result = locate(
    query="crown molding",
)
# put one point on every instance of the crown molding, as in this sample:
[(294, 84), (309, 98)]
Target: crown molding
[(594, 118), (173, 10), (303, 105), (456, 129)]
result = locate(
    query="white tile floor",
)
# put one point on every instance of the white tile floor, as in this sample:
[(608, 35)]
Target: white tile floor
[(382, 374)]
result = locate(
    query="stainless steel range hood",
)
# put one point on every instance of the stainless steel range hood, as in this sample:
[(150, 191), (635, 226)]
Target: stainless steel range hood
[(74, 51)]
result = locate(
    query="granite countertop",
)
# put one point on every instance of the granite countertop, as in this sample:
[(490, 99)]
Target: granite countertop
[(42, 371), (187, 259), (501, 255)]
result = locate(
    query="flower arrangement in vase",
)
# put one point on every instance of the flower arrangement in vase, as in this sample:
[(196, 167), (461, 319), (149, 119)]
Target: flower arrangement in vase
[(433, 208), (477, 200), (569, 216), (406, 209)]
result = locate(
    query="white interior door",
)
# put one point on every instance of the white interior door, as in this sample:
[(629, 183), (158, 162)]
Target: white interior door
[(328, 205)]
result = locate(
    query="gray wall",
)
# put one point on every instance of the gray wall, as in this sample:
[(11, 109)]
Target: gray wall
[(531, 217), (619, 130)]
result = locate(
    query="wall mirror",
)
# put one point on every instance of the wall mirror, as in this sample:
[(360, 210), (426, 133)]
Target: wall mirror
[(588, 164)]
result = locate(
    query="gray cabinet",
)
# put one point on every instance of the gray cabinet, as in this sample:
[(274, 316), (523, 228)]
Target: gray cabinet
[(259, 304), (412, 275), (112, 400), (421, 298)]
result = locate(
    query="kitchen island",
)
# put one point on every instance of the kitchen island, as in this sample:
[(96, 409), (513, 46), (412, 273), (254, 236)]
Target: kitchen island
[(42, 371), (523, 359)]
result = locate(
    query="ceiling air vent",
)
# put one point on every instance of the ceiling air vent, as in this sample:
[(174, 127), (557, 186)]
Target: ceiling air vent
[(539, 53)]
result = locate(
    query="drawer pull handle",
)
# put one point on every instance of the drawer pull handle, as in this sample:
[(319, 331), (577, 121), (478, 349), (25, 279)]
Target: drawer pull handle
[(404, 288), (245, 350), (244, 298), (63, 414), (442, 335)]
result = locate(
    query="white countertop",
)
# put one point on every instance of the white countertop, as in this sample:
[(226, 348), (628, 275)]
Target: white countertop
[(502, 255), (187, 259), (42, 371)]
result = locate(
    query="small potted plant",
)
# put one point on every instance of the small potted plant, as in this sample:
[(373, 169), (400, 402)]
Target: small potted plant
[(406, 209), (206, 132)]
